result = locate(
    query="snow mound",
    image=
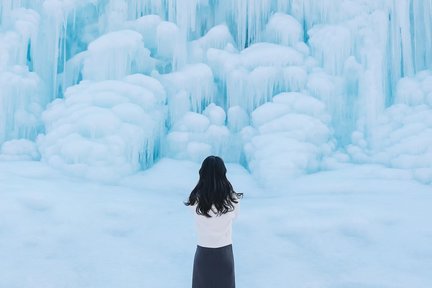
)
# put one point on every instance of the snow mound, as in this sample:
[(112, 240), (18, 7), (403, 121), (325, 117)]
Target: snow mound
[(147, 27), (269, 54), (167, 34), (415, 90), (288, 137), (104, 130), (402, 135), (18, 150), (237, 119), (283, 29), (402, 138), (195, 136), (218, 37)]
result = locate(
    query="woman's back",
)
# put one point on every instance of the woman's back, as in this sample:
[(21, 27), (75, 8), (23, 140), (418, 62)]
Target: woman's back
[(215, 231)]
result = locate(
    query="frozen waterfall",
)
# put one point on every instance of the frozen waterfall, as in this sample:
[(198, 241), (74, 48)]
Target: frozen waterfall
[(103, 88)]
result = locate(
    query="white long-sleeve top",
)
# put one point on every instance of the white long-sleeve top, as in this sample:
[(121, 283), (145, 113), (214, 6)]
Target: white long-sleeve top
[(216, 231)]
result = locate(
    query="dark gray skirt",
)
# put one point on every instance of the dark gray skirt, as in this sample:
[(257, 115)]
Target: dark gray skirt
[(213, 268)]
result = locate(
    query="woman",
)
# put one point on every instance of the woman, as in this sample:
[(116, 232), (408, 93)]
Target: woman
[(215, 205)]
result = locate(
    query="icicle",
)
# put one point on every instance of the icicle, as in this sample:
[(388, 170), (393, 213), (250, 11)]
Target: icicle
[(139, 8), (115, 55), (183, 13), (250, 17), (20, 106), (194, 84), (116, 13), (19, 41), (239, 92), (284, 6), (48, 47), (72, 74), (293, 78), (261, 86), (237, 118), (319, 12), (372, 85), (331, 46), (421, 33), (6, 8), (401, 38), (236, 89)]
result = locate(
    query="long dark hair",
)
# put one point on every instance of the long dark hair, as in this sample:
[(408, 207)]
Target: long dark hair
[(213, 188)]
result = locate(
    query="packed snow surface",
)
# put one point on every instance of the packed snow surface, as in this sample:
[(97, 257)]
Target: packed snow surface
[(362, 226)]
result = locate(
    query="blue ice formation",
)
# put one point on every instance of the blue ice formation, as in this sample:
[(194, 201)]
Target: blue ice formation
[(107, 87)]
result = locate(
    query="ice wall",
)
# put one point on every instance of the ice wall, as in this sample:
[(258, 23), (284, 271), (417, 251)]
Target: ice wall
[(356, 58)]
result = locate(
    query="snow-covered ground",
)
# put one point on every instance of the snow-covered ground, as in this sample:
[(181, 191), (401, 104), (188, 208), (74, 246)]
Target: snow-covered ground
[(361, 226)]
